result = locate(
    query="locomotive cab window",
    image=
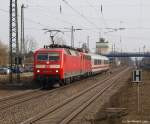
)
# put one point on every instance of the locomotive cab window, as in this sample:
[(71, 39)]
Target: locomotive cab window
[(53, 56), (42, 57), (48, 57)]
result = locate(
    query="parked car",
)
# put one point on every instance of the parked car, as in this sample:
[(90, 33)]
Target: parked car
[(4, 70)]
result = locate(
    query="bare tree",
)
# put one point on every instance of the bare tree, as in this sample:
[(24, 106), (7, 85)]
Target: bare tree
[(3, 54)]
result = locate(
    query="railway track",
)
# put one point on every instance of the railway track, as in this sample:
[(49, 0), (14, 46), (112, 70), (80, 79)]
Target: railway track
[(67, 110), (7, 102), (29, 105), (16, 99)]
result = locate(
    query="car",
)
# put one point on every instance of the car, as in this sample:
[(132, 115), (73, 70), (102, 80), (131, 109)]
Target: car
[(4, 70)]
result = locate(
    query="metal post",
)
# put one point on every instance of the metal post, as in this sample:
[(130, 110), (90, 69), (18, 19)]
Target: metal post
[(72, 36), (13, 39), (114, 48), (138, 98), (88, 41), (10, 41), (22, 45)]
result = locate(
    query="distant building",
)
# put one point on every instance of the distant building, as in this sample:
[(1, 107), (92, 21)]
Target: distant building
[(102, 47)]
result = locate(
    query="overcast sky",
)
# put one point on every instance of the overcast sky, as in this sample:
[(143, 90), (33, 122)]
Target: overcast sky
[(133, 15)]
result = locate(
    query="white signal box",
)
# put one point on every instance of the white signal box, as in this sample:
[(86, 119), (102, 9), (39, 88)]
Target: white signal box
[(137, 76)]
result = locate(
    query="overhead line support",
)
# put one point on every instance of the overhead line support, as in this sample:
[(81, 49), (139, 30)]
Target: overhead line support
[(13, 40)]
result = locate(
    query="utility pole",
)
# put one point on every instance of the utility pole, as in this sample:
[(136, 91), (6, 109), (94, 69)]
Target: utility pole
[(13, 39), (144, 49), (88, 42), (22, 44), (114, 48), (72, 36)]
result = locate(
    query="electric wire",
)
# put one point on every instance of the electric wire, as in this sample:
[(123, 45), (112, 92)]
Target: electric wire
[(28, 19), (46, 14), (81, 15), (3, 10)]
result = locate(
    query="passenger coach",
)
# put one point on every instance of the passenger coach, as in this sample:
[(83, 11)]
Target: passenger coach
[(99, 63)]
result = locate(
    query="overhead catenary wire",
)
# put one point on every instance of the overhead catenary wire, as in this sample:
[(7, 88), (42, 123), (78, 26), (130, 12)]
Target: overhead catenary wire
[(46, 14), (35, 22), (41, 24), (28, 19), (3, 10), (81, 15), (99, 12)]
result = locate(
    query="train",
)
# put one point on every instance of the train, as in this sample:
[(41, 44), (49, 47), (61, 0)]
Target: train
[(64, 64)]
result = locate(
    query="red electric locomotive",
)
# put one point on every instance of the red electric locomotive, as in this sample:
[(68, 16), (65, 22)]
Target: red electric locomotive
[(53, 64)]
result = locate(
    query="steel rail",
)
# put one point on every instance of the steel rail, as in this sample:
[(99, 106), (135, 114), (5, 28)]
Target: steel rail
[(8, 104), (17, 95), (59, 105), (86, 104), (27, 98)]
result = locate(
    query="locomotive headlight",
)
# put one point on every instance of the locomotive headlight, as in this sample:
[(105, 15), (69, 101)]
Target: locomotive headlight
[(38, 71), (56, 71)]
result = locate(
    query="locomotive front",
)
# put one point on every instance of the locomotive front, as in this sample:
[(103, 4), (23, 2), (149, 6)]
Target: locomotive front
[(47, 65)]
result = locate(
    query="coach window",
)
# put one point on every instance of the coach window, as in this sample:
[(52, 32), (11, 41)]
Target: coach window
[(100, 62), (95, 62), (105, 61), (86, 57)]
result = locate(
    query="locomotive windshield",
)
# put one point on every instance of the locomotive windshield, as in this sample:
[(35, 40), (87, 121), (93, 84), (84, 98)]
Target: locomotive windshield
[(53, 56), (48, 57), (42, 57)]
